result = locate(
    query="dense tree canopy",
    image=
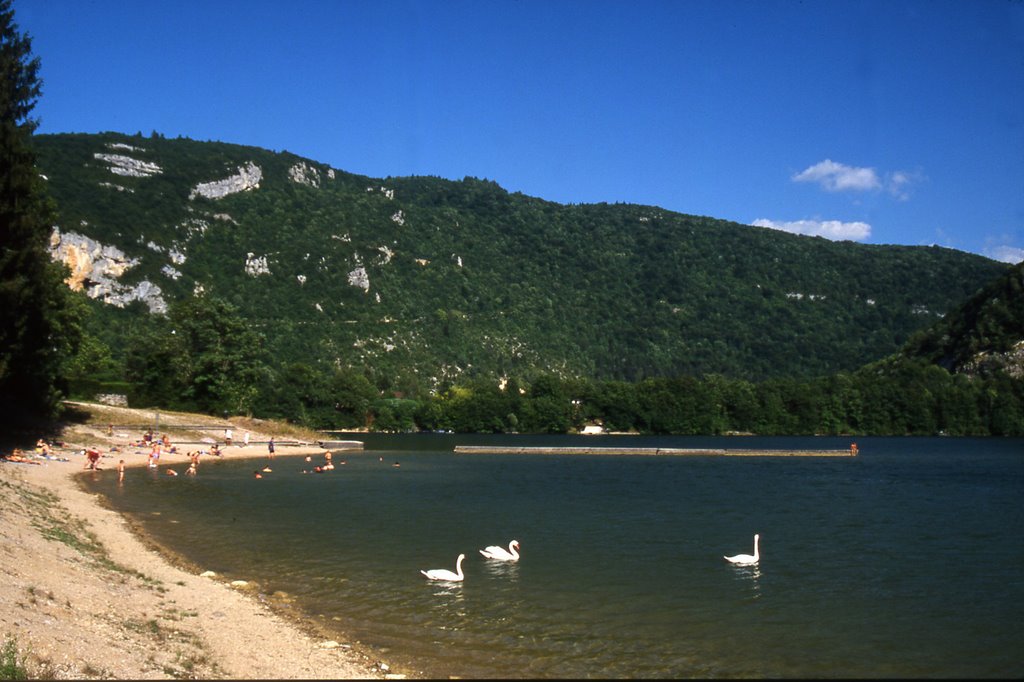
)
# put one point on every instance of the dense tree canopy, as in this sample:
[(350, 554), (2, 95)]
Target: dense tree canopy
[(37, 327), (201, 357)]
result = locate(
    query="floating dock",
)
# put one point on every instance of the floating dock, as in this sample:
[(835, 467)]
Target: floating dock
[(341, 444), (587, 450)]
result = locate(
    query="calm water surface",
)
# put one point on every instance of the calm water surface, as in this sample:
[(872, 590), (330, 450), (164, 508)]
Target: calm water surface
[(903, 562)]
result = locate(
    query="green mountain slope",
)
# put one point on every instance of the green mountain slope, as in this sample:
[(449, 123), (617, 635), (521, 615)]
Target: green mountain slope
[(983, 335), (442, 280)]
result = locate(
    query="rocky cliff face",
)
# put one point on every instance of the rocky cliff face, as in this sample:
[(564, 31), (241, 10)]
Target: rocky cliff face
[(248, 177), (96, 269), (987, 363)]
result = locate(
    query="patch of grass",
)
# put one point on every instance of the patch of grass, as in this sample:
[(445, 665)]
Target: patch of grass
[(178, 614), (191, 665), (12, 665), (150, 627)]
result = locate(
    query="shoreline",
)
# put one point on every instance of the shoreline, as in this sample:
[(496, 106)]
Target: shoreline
[(88, 595)]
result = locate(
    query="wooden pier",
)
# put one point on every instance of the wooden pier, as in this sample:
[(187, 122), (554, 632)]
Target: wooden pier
[(596, 450), (341, 444)]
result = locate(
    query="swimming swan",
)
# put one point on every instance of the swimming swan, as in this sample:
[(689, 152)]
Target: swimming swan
[(746, 559), (445, 574), (502, 554)]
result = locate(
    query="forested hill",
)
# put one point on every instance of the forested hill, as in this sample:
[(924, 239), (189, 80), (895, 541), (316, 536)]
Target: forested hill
[(984, 335), (436, 279)]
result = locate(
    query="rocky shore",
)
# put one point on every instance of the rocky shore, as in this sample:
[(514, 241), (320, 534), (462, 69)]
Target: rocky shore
[(84, 597)]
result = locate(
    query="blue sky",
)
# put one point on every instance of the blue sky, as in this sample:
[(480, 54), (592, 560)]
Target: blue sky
[(883, 122)]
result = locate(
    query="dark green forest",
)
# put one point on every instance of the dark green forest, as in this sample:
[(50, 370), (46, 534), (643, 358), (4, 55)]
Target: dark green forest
[(38, 328), (212, 363)]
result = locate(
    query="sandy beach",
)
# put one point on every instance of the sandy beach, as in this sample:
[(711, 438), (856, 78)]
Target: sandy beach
[(85, 597)]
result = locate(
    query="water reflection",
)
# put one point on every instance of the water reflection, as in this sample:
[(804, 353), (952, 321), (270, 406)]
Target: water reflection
[(449, 601), (503, 570), (750, 577), (448, 592)]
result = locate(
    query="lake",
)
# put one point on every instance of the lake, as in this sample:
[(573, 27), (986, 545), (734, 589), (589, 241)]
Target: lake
[(906, 561)]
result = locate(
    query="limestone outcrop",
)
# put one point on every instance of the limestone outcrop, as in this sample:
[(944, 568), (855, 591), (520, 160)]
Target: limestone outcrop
[(247, 178), (120, 164), (304, 174), (97, 268)]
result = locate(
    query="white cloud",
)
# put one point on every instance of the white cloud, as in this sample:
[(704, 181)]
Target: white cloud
[(897, 184), (838, 177), (1006, 254), (829, 229)]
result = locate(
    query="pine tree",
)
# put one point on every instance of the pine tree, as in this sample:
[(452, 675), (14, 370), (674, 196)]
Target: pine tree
[(36, 327)]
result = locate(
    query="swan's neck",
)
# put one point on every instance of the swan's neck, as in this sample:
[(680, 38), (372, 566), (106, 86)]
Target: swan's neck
[(512, 551), (756, 555), (458, 566)]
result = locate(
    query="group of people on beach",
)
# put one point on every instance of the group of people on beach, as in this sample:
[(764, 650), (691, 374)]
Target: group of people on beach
[(18, 455), (162, 445), (156, 446), (43, 450), (229, 435)]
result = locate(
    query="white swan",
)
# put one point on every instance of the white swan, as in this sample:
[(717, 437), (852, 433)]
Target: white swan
[(502, 554), (746, 559), (445, 574)]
